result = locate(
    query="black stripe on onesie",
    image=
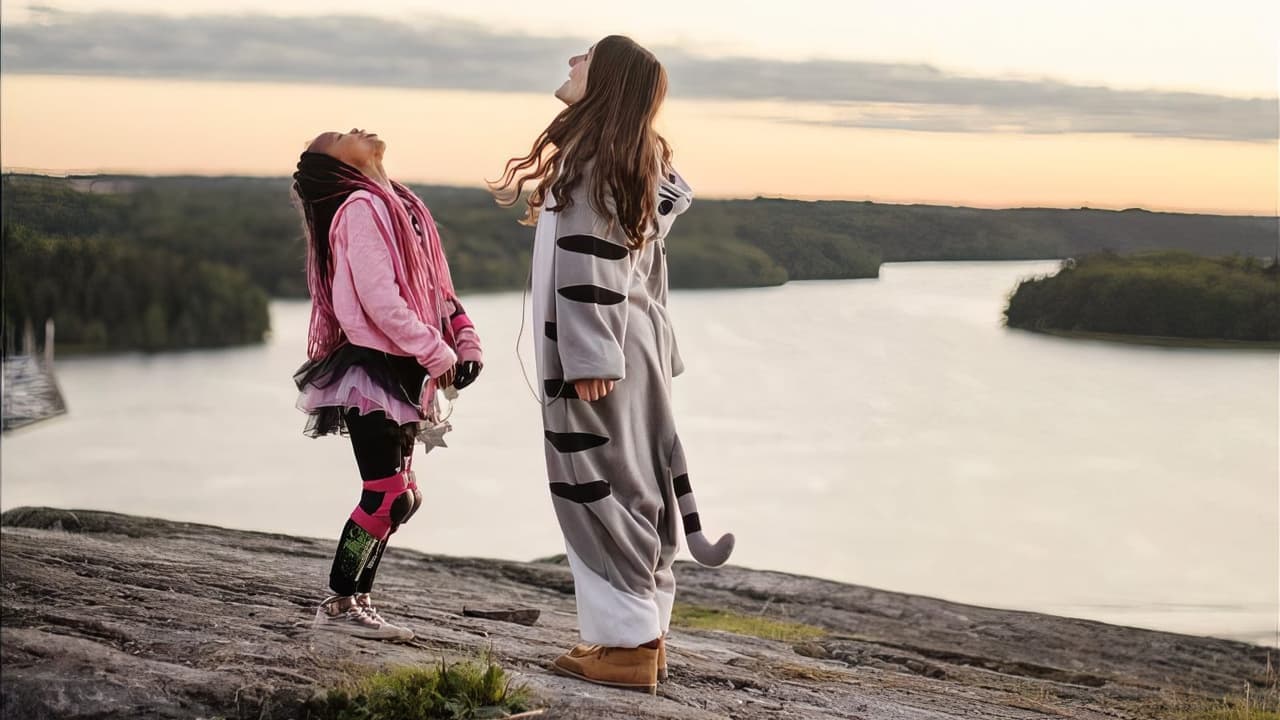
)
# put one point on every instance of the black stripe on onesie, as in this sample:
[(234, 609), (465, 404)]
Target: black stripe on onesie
[(611, 463)]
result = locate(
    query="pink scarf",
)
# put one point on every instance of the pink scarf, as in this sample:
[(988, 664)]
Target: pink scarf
[(420, 267)]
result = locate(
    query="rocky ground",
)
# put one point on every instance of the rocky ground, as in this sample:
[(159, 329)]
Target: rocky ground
[(113, 616)]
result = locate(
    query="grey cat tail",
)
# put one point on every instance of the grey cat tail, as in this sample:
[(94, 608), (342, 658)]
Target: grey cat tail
[(703, 550)]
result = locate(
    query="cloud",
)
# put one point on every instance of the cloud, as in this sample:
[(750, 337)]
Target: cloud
[(924, 98), (447, 54), (330, 49)]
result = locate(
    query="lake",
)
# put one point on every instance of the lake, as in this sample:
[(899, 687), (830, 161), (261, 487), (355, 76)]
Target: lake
[(886, 432)]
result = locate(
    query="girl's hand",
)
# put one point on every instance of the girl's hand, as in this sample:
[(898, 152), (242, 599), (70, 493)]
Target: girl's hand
[(592, 390), (466, 373), (446, 378)]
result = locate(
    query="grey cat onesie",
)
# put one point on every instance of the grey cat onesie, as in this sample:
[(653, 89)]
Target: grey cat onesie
[(616, 468)]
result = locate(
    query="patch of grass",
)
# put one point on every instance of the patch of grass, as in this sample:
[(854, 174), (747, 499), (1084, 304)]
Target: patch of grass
[(698, 617), (461, 691), (1228, 711), (1255, 703)]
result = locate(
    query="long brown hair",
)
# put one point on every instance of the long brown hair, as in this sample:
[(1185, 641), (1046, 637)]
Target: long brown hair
[(611, 125)]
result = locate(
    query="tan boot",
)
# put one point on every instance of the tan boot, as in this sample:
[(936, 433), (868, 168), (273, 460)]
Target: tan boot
[(582, 650), (631, 668), (662, 660)]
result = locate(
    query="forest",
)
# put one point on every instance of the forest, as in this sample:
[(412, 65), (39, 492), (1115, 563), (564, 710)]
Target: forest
[(124, 262)]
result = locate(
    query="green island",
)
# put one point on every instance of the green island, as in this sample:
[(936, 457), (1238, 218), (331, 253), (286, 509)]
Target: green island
[(158, 263), (1170, 298)]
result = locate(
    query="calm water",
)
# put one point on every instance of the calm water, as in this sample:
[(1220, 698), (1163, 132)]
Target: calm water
[(885, 432)]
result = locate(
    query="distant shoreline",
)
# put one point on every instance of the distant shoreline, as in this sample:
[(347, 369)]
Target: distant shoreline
[(1158, 340), (240, 238), (82, 175)]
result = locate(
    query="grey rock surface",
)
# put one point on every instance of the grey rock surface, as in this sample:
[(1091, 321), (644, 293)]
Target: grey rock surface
[(114, 616)]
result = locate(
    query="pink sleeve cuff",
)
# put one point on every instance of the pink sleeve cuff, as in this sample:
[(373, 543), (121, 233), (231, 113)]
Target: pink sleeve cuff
[(440, 362), (465, 336), (469, 344), (460, 322)]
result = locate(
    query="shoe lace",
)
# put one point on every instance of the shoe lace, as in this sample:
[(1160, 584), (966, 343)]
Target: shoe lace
[(355, 612), (365, 603)]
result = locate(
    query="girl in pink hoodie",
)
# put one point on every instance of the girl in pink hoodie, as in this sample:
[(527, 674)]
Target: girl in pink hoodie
[(387, 331)]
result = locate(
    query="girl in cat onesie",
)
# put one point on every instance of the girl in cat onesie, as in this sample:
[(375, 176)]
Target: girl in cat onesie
[(604, 198)]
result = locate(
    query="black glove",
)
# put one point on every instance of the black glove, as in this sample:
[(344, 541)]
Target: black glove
[(466, 373)]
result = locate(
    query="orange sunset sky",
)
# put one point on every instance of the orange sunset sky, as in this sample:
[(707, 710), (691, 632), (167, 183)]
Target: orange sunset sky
[(991, 104)]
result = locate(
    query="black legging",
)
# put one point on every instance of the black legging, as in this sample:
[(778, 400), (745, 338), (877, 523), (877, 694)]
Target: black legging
[(381, 447)]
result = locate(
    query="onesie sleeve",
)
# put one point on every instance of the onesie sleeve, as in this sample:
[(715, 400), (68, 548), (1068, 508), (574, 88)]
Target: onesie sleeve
[(592, 278)]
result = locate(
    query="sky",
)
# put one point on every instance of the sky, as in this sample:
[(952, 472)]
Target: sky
[(1169, 106)]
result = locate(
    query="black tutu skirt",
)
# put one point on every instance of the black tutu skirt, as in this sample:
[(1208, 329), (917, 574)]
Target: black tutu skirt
[(400, 377)]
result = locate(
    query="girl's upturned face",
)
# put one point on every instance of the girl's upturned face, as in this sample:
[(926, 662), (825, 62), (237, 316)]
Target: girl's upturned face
[(356, 148), (575, 87)]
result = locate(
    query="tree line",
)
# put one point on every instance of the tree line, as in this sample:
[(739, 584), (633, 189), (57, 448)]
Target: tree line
[(106, 294), (170, 262)]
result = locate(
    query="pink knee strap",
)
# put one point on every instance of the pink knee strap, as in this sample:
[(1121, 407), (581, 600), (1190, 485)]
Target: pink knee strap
[(378, 524), (399, 481)]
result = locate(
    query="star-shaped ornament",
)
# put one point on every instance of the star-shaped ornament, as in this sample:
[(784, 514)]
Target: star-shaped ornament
[(431, 435)]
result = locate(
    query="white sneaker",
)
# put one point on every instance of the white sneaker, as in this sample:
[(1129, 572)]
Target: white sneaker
[(365, 602), (354, 621)]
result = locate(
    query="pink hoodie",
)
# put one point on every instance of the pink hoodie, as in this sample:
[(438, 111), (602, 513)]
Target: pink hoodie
[(367, 300)]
